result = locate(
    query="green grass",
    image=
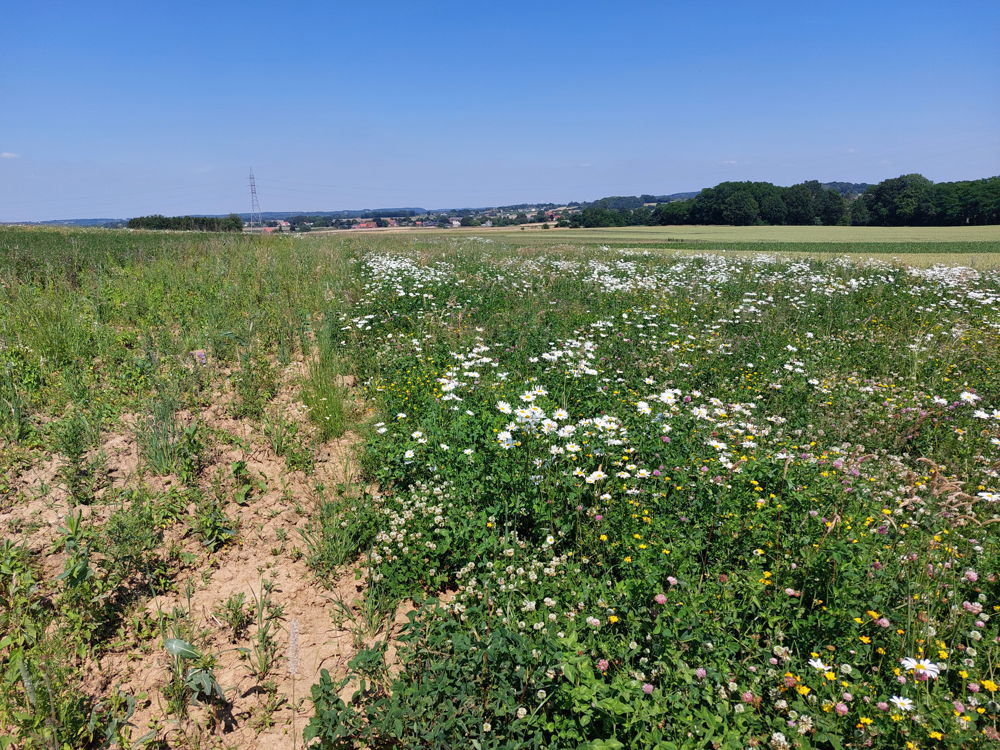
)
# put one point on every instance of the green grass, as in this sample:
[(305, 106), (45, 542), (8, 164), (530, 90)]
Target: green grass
[(96, 328), (822, 234), (854, 240), (765, 451)]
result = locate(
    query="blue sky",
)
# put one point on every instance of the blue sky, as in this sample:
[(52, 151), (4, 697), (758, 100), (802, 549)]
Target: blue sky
[(116, 109)]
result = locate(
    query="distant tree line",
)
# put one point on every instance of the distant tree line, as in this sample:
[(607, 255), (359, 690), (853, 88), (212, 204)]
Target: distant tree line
[(909, 200), (524, 206), (513, 221), (231, 223), (913, 200), (387, 214), (632, 202), (304, 221)]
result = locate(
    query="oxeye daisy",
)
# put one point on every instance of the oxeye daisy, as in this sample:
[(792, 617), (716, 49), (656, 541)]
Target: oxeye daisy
[(903, 704), (922, 668)]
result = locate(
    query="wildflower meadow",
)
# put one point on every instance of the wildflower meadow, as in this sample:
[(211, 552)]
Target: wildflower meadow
[(649, 500)]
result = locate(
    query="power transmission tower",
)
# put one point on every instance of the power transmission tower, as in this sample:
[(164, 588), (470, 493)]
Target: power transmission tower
[(255, 217)]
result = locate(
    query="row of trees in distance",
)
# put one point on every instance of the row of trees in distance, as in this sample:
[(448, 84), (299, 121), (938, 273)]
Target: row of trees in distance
[(231, 223), (909, 200)]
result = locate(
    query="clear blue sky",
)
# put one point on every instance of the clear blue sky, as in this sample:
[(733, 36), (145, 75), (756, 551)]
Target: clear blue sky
[(114, 109)]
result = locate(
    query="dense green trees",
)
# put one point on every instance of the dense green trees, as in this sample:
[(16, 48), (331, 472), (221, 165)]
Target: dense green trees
[(909, 200), (620, 202), (741, 208), (675, 212), (900, 201), (913, 200), (231, 223)]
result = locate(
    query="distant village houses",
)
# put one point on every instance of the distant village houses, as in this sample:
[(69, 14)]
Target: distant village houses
[(276, 226)]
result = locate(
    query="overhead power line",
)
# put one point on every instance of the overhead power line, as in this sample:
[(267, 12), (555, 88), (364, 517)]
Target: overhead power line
[(255, 213)]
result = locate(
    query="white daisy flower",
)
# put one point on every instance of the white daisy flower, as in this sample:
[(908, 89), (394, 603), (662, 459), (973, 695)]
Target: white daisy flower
[(903, 704)]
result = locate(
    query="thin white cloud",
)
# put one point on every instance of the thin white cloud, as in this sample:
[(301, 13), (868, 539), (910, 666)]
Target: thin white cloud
[(728, 162), (7, 155)]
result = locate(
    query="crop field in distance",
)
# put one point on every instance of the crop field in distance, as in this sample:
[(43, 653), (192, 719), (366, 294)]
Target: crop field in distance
[(784, 234), (668, 487), (974, 246)]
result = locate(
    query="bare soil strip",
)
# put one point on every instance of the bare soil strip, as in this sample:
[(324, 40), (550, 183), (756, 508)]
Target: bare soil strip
[(267, 552)]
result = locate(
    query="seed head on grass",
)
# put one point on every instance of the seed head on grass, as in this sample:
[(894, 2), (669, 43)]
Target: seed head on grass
[(293, 649)]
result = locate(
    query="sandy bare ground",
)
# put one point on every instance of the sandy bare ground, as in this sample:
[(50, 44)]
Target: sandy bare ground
[(325, 616)]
